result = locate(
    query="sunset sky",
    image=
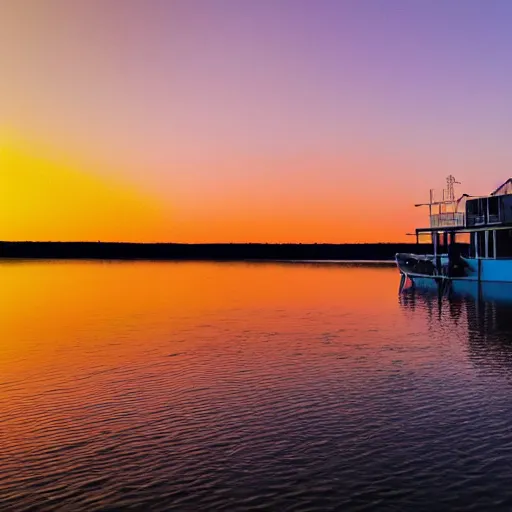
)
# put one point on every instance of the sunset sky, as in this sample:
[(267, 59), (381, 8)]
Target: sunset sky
[(247, 120)]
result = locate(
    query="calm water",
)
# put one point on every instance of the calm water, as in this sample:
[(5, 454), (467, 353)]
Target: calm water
[(201, 386)]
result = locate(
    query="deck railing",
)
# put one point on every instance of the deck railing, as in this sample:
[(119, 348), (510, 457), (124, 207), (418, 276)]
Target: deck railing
[(451, 219)]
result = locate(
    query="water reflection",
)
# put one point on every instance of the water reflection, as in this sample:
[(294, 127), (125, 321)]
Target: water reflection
[(226, 387), (485, 309)]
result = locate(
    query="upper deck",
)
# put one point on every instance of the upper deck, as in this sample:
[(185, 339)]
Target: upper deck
[(491, 210), (468, 213)]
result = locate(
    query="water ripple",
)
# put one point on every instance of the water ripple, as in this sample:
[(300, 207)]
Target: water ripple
[(242, 394)]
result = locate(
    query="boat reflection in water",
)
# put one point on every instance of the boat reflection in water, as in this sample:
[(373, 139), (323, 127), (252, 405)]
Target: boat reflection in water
[(481, 311)]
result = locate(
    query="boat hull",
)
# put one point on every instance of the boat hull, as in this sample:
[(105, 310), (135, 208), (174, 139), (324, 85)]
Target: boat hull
[(485, 270)]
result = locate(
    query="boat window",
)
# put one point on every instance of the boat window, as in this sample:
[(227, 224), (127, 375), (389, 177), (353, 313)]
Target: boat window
[(471, 252), (474, 212), (480, 236), (503, 243), (490, 244), (494, 209), (480, 214)]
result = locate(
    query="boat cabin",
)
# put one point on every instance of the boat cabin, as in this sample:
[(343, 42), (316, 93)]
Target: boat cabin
[(489, 211), (480, 227)]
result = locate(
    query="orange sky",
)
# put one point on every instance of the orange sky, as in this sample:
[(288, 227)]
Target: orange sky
[(47, 196), (205, 121)]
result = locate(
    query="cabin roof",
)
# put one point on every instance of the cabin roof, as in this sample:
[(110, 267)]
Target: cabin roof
[(501, 187), (504, 189)]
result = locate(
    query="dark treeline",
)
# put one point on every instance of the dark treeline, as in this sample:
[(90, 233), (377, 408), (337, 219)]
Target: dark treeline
[(165, 251)]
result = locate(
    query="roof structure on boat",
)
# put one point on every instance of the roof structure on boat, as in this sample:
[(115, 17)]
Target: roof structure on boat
[(503, 189)]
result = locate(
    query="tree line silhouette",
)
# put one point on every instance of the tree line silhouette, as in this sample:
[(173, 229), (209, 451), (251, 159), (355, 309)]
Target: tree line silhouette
[(223, 252)]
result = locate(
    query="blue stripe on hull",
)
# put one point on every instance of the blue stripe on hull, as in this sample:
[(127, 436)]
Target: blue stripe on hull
[(496, 270), (490, 270), (487, 290)]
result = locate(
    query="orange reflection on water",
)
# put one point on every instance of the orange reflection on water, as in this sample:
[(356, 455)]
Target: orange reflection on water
[(76, 334), (44, 304), (50, 312), (138, 380)]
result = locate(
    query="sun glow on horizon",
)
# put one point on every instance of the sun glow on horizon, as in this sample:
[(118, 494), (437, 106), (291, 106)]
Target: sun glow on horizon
[(46, 198)]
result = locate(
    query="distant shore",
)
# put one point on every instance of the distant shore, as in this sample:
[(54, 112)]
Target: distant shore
[(212, 252)]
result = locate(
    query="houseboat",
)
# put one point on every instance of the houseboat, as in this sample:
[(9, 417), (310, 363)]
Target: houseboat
[(470, 239)]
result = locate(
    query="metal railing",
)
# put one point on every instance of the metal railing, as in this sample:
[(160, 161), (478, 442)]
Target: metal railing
[(451, 219)]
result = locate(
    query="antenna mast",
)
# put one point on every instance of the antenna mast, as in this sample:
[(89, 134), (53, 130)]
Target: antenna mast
[(450, 189)]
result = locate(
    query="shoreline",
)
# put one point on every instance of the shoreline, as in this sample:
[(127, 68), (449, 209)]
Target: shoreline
[(300, 253)]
